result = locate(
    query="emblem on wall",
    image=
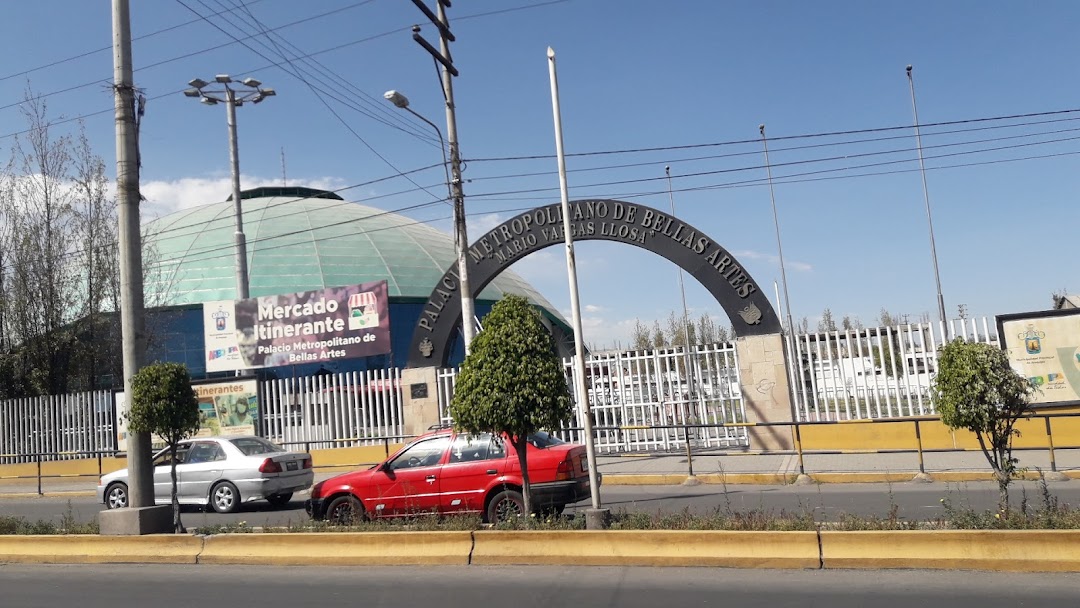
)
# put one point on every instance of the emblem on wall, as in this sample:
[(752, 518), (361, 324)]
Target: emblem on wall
[(751, 314), (426, 347)]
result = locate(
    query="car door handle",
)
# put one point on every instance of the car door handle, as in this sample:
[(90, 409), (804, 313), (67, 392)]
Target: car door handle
[(430, 478), (492, 472)]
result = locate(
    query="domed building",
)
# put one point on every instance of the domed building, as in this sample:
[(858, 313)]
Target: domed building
[(300, 239)]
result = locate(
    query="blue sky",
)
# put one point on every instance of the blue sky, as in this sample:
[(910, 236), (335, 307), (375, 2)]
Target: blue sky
[(635, 75)]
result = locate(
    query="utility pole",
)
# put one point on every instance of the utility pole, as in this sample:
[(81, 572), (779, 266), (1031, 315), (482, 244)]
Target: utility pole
[(132, 322), (461, 238)]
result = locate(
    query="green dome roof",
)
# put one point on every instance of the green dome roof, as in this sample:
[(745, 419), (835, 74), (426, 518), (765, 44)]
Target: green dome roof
[(299, 239)]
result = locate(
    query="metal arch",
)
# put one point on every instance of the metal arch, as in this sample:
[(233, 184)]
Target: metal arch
[(742, 298)]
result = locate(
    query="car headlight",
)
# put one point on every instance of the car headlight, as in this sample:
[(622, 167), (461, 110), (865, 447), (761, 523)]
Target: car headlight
[(316, 490)]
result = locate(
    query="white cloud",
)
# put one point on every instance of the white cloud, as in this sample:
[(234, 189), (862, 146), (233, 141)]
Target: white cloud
[(593, 309), (483, 224), (165, 197), (775, 260)]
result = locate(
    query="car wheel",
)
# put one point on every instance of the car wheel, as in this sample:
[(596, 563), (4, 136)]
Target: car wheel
[(116, 496), (505, 505), (345, 511), (279, 500), (224, 497)]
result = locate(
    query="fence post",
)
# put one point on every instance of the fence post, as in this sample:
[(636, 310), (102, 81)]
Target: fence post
[(691, 479), (798, 448), (99, 469), (918, 441), (1050, 445), (38, 457)]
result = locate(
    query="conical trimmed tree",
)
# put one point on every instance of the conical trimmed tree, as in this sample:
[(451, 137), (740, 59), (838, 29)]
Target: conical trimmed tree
[(512, 381)]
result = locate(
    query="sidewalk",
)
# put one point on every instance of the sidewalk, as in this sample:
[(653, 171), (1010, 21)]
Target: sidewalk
[(671, 468)]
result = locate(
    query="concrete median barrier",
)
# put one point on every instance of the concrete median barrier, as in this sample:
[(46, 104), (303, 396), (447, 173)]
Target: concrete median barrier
[(339, 549), (91, 549), (648, 548), (1001, 550)]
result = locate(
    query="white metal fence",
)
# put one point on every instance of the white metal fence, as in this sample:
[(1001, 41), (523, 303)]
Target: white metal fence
[(334, 410), (59, 427), (634, 394), (876, 372)]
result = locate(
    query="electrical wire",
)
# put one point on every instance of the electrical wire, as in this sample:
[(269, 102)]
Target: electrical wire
[(337, 116), (782, 138), (105, 48), (328, 79)]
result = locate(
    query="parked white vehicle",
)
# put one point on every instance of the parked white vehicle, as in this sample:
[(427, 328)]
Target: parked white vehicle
[(222, 472)]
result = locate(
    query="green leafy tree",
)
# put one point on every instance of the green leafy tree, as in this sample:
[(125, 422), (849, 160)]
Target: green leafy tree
[(512, 382), (976, 389), (164, 404)]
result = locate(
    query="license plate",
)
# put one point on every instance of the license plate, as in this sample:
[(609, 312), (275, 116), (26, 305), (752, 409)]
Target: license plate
[(584, 464), (291, 466)]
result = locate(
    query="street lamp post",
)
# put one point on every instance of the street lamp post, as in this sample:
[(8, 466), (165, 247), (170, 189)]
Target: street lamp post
[(233, 94), (461, 239)]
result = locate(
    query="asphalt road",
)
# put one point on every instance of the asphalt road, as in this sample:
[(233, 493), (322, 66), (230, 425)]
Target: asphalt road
[(827, 502), (468, 587)]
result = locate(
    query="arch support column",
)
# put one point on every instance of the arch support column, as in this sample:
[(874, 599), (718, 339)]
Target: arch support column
[(765, 390)]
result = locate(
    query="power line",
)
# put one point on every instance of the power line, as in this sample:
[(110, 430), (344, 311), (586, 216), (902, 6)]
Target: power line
[(328, 79), (343, 122), (104, 48), (787, 164), (667, 161), (784, 138), (108, 82)]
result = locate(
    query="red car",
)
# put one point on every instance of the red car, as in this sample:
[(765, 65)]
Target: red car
[(445, 472)]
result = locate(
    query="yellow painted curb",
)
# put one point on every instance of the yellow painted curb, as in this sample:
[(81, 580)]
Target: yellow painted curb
[(999, 550), (339, 549), (91, 549), (57, 494), (648, 548), (673, 479)]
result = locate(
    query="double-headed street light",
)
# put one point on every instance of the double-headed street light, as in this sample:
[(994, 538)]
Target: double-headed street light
[(233, 93), (461, 239)]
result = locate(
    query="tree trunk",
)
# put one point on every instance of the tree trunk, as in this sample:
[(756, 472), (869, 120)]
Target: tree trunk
[(521, 446), (178, 527)]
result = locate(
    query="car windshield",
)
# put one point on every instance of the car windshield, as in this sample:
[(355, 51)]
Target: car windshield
[(251, 446), (542, 439)]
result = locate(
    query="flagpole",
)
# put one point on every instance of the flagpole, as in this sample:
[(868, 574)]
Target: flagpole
[(598, 517)]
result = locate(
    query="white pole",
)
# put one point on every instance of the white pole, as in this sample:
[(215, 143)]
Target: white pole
[(926, 198), (575, 305), (776, 223)]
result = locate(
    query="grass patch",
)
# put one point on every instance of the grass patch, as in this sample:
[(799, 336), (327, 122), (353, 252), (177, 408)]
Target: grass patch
[(68, 525)]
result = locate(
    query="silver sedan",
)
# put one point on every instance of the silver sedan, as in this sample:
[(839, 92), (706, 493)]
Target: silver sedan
[(221, 472)]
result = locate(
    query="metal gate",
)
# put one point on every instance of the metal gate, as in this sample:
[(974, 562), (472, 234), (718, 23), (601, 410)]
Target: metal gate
[(641, 399)]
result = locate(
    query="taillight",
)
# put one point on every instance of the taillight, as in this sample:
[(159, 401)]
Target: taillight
[(269, 466), (565, 470), (307, 463)]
